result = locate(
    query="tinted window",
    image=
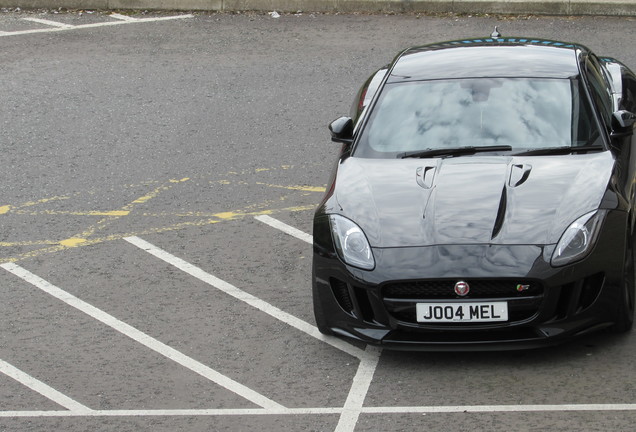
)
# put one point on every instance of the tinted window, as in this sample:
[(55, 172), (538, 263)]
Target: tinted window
[(628, 102), (522, 113)]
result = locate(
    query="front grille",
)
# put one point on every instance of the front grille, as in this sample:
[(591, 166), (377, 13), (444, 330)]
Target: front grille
[(444, 289), (524, 297)]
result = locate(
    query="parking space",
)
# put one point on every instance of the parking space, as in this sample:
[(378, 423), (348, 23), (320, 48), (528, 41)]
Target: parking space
[(156, 252), (99, 265)]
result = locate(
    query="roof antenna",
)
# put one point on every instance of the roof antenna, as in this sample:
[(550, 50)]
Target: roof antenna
[(495, 34)]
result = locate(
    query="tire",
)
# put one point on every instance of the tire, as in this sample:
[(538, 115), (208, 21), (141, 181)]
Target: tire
[(625, 316)]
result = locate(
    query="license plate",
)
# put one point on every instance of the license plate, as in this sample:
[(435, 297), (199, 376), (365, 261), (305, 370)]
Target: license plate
[(462, 312)]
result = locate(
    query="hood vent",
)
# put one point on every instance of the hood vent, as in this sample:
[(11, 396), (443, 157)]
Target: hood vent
[(425, 175), (519, 174), (501, 213)]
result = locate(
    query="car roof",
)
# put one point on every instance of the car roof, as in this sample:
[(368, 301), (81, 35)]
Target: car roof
[(478, 58)]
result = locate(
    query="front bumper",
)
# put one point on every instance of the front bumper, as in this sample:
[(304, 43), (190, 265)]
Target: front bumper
[(378, 306)]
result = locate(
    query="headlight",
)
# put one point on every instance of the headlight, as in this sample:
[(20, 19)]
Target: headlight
[(577, 241), (351, 243)]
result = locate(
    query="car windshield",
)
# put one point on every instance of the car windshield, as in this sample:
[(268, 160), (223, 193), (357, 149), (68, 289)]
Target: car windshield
[(523, 113)]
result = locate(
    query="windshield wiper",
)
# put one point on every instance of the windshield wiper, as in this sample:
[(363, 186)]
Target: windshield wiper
[(456, 151), (560, 150)]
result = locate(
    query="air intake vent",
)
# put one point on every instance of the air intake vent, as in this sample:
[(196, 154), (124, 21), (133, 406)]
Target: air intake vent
[(341, 292), (501, 213)]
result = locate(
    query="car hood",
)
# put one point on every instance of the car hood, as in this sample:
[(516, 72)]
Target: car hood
[(470, 200)]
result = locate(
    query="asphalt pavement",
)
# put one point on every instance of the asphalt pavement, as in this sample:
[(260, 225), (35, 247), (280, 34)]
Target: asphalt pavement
[(542, 7), (144, 281)]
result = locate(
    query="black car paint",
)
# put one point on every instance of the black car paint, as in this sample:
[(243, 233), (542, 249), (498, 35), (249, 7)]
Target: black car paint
[(465, 198), (444, 226)]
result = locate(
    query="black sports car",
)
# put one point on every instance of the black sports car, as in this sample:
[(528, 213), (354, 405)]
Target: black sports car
[(483, 199)]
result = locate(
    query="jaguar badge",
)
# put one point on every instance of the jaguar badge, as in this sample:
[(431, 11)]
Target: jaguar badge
[(462, 288)]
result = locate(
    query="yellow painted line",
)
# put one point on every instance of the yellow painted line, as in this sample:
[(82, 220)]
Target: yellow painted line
[(260, 205), (13, 207), (6, 208), (73, 242), (217, 218), (28, 243), (82, 239), (146, 183), (226, 215), (109, 213), (43, 201), (125, 211), (100, 224), (181, 215), (143, 199), (298, 188), (155, 192), (73, 213), (34, 253)]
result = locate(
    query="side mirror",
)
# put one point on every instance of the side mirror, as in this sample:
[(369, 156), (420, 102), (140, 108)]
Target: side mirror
[(623, 122), (342, 130)]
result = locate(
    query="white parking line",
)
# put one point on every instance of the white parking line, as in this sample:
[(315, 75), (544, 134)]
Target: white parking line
[(142, 338), (497, 408), (123, 17), (368, 363), (359, 389), (490, 409), (253, 301), (64, 27), (45, 390), (275, 223), (173, 412), (48, 22), (368, 358)]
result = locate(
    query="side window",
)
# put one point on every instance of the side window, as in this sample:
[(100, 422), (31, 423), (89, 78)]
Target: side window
[(628, 102), (600, 89), (366, 93)]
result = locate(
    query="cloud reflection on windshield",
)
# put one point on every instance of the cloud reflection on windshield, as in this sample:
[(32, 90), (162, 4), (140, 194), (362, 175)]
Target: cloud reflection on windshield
[(524, 113)]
